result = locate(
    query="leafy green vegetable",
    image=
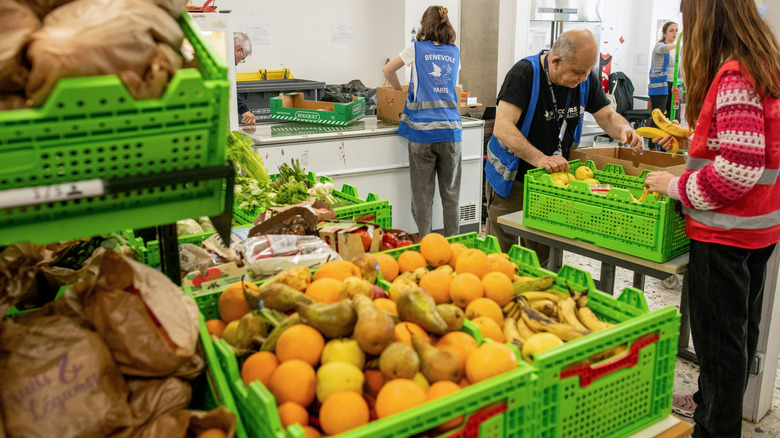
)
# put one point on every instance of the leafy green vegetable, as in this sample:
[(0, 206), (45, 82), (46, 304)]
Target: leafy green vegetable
[(239, 149), (292, 193), (294, 173), (251, 194)]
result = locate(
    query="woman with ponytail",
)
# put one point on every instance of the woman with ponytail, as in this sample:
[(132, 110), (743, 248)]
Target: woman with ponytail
[(431, 120)]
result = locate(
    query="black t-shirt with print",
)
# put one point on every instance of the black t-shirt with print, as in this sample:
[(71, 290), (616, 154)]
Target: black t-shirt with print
[(544, 127)]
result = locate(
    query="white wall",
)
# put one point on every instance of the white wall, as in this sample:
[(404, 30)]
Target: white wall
[(413, 13), (299, 34)]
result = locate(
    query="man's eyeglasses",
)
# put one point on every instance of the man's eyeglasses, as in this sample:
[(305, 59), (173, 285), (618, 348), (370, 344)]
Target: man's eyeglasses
[(240, 55)]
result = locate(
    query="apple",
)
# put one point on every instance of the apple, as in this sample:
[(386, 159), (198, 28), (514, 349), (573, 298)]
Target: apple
[(379, 292), (343, 350)]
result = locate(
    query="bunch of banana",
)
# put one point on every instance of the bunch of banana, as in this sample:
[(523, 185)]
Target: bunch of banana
[(587, 316), (539, 322), (534, 284), (665, 128)]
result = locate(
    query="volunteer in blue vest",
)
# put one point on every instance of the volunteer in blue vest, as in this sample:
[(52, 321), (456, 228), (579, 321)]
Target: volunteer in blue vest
[(539, 120), (430, 120), (660, 86)]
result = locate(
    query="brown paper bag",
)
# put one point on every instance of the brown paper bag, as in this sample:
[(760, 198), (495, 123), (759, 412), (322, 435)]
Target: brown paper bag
[(148, 323), (59, 380), (97, 37), (17, 23)]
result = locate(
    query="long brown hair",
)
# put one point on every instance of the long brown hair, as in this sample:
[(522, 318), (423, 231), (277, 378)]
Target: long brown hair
[(435, 26), (716, 30)]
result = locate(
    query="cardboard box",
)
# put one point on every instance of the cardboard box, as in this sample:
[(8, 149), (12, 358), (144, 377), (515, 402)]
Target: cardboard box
[(293, 106), (390, 103), (632, 164), (343, 239)]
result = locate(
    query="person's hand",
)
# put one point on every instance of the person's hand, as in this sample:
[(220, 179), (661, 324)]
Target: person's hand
[(666, 142), (248, 118), (659, 182), (631, 138), (553, 163)]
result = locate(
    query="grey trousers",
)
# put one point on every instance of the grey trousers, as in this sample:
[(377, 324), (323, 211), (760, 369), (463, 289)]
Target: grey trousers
[(497, 206), (441, 161)]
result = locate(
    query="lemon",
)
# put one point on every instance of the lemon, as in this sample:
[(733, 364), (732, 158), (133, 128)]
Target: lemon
[(538, 343), (338, 376), (583, 172)]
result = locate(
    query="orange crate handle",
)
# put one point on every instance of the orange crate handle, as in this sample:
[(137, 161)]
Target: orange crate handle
[(588, 374), (472, 425)]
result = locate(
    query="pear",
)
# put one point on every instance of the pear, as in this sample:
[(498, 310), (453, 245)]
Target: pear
[(352, 286), (367, 264), (297, 277), (436, 363), (343, 350), (252, 329), (276, 296), (452, 315), (399, 361), (374, 329), (417, 306), (334, 320)]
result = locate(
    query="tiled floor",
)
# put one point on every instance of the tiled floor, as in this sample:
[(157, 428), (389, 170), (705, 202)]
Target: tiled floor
[(687, 372)]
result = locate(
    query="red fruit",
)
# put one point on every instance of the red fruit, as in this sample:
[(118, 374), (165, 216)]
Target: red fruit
[(366, 238), (404, 242), (390, 239), (379, 292), (387, 246)]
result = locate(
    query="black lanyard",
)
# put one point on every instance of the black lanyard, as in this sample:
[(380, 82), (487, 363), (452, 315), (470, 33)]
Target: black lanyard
[(560, 122)]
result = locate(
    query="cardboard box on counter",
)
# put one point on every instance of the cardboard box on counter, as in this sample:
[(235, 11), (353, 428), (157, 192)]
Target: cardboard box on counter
[(632, 164), (345, 240), (390, 103), (293, 106)]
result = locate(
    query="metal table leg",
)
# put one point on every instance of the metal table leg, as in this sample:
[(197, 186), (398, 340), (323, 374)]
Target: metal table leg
[(556, 259), (607, 279), (639, 281)]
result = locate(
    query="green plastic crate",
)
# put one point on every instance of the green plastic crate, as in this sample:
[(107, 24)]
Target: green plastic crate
[(91, 127), (505, 400), (625, 396), (300, 110), (653, 230), (372, 209)]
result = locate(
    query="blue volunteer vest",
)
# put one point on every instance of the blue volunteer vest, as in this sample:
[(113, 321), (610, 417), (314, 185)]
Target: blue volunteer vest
[(657, 85), (431, 111), (501, 166)]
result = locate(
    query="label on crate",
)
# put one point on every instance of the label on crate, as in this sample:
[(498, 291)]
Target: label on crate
[(57, 192)]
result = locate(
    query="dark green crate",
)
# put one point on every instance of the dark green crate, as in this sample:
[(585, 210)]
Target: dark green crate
[(90, 128), (653, 230)]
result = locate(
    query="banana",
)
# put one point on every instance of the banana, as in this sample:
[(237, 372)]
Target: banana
[(540, 283), (672, 128), (539, 322), (647, 132), (510, 330), (545, 306), (567, 314), (509, 308), (590, 321), (608, 353), (644, 195), (536, 295), (523, 329)]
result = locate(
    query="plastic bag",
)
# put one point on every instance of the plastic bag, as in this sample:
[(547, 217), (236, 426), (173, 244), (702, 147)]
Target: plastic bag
[(188, 226), (206, 224), (269, 254), (192, 258)]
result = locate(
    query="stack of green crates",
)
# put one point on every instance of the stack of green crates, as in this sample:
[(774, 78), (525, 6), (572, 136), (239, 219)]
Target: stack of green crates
[(91, 128), (653, 230)]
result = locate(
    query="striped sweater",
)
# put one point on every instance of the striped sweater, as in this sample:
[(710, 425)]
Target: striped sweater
[(730, 170)]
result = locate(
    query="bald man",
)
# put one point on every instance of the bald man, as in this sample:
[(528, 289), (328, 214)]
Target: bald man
[(539, 120)]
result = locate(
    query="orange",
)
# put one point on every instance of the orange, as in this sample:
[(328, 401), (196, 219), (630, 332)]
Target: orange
[(441, 389), (338, 269), (398, 395), (259, 366), (232, 305), (436, 249), (437, 283), (388, 266), (300, 342), (212, 433), (311, 432), (498, 287), (485, 307), (215, 327), (325, 290), (473, 261), (499, 262), (387, 305), (465, 288), (404, 330), (295, 381), (457, 250), (488, 360), (459, 343), (411, 260), (342, 411), (489, 329), (292, 413), (373, 382)]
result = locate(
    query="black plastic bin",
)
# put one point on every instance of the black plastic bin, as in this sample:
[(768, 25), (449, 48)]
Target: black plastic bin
[(257, 94)]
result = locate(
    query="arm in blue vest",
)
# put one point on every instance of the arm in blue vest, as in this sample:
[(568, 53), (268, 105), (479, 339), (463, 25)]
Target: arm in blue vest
[(618, 128), (505, 130)]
